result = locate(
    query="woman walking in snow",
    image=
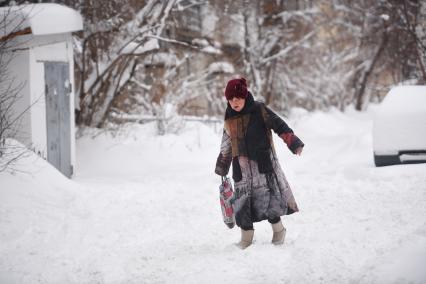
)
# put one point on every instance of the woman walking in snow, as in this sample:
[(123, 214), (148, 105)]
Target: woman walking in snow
[(261, 189)]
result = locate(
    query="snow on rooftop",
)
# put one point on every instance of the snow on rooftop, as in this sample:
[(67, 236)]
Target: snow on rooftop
[(43, 19)]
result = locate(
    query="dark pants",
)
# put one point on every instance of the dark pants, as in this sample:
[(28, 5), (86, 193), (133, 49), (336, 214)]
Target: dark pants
[(272, 221)]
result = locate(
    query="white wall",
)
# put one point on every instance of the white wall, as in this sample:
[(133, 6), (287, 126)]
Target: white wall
[(70, 50), (27, 63), (30, 54), (18, 77), (30, 40)]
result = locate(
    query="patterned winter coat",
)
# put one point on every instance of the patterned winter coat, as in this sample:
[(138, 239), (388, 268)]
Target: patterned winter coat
[(261, 188)]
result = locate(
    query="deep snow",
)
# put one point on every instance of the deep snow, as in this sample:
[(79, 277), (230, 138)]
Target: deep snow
[(144, 209)]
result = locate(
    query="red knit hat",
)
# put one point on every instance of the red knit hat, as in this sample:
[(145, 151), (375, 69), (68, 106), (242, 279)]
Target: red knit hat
[(236, 88)]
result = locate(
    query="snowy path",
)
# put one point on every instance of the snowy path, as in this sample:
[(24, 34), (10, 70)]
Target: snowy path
[(145, 210)]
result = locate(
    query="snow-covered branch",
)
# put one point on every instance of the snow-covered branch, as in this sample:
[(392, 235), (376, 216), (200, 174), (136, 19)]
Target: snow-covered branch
[(289, 48)]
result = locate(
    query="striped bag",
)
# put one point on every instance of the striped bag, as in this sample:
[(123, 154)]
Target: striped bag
[(226, 195)]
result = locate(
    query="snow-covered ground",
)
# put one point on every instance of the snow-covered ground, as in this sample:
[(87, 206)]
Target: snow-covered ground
[(144, 209)]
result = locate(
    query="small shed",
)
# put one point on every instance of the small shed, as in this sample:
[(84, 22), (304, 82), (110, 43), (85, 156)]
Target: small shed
[(40, 48)]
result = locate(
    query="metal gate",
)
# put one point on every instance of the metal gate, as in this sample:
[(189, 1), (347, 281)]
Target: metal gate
[(58, 89)]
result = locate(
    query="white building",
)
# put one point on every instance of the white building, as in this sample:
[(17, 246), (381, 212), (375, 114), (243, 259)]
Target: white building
[(41, 52)]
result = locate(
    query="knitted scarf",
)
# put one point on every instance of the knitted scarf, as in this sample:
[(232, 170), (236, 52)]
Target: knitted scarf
[(247, 129)]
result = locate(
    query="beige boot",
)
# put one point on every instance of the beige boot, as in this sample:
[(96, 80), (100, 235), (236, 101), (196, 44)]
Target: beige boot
[(246, 239), (279, 233)]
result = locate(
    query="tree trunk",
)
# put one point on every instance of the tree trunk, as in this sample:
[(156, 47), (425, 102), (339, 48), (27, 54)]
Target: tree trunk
[(360, 92), (117, 91), (270, 72)]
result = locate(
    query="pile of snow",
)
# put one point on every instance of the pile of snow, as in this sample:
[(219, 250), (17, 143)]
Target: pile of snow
[(136, 150), (144, 209), (400, 121), (41, 220)]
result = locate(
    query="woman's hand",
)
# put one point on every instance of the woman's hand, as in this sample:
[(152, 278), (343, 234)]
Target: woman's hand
[(299, 151)]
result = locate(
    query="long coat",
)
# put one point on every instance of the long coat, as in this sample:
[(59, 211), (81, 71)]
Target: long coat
[(261, 188)]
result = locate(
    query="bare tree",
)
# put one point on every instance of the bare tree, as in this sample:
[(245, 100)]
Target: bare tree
[(270, 39), (10, 88), (107, 70), (139, 56)]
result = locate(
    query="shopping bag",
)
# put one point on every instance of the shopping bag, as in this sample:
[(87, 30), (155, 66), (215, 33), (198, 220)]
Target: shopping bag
[(226, 195)]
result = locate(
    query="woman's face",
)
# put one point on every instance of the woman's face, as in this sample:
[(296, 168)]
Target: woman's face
[(237, 104)]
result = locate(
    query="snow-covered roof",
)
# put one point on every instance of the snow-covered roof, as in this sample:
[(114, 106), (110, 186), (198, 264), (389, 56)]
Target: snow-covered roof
[(43, 19)]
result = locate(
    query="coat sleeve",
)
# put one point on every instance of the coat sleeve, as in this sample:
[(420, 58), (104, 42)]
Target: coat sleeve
[(280, 127), (224, 159)]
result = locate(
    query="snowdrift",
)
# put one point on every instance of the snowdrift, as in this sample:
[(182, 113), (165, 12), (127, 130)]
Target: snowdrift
[(144, 208), (38, 207)]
